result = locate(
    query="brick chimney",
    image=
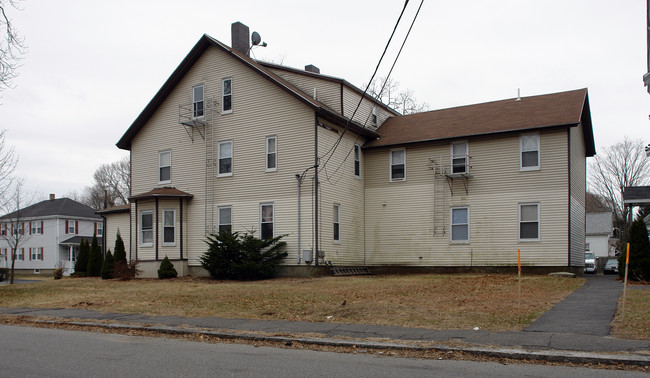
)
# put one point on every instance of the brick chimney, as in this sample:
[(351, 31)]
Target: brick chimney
[(312, 68), (52, 196), (240, 37)]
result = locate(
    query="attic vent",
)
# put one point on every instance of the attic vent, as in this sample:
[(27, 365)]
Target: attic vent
[(312, 68)]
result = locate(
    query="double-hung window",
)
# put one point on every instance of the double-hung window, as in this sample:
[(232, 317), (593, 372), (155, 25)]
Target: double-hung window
[(37, 227), (266, 220), (225, 219), (72, 229), (225, 159), (357, 160), (226, 96), (459, 224), (528, 222), (164, 167), (337, 222), (374, 117), (37, 253), (398, 165), (99, 229), (20, 254), (459, 158), (529, 152), (146, 228), (271, 153), (169, 227), (197, 101)]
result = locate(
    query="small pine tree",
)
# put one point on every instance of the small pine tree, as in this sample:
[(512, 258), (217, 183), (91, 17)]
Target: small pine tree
[(167, 269), (120, 252), (639, 265), (81, 265), (95, 259), (107, 266)]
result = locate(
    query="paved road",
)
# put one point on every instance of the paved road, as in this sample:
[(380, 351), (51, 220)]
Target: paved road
[(28, 351), (588, 311)]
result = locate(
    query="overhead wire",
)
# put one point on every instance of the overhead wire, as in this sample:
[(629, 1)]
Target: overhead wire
[(381, 90)]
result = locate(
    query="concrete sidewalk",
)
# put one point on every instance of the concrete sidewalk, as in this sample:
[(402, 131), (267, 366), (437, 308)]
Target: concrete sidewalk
[(576, 330)]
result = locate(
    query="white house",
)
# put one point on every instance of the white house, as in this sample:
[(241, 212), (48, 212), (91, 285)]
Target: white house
[(49, 234)]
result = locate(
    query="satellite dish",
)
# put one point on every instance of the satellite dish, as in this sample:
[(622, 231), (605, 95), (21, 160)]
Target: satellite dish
[(256, 38)]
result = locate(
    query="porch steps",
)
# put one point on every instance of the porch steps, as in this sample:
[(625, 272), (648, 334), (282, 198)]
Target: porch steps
[(349, 270)]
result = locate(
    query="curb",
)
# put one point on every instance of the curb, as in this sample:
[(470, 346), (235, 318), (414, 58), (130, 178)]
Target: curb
[(565, 356)]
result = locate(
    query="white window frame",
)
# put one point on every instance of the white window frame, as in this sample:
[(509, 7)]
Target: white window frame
[(538, 221), (464, 156), (167, 243), (219, 157), (36, 228), (272, 222), (374, 116), (224, 95), (100, 229), (452, 224), (37, 254), (20, 254), (143, 230), (161, 166), (336, 232), (274, 153), (521, 152), (403, 150), (219, 224), (72, 227), (357, 161), (195, 102)]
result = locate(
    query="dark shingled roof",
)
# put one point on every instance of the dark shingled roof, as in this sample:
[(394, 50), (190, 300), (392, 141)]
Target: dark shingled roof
[(59, 206), (115, 209), (76, 240), (162, 192), (636, 195), (528, 113)]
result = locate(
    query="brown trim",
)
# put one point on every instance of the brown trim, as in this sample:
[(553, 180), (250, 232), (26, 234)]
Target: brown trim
[(569, 191), (157, 236), (180, 231)]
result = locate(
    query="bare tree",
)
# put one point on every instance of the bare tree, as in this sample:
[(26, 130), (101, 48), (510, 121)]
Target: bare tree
[(621, 165), (12, 46), (387, 91), (12, 225), (111, 187)]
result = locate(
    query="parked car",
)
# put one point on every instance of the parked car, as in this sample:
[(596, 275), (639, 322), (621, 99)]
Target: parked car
[(590, 263), (611, 267)]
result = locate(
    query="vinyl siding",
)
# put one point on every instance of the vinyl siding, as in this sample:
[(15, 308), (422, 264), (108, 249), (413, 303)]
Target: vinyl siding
[(260, 109), (362, 115), (578, 180), (401, 232), (327, 92), (118, 222)]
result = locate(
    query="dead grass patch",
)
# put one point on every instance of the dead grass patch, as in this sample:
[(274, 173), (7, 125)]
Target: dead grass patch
[(427, 301), (637, 314)]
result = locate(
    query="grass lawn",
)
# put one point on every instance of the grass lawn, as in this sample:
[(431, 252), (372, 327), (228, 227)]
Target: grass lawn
[(637, 314), (428, 301)]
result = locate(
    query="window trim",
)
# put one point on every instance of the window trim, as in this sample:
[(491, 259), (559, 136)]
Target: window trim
[(466, 157), (336, 222), (374, 116), (232, 152), (223, 95), (72, 225), (272, 218), (142, 229), (538, 221), (36, 228), (451, 225), (160, 166), (275, 153), (521, 152), (219, 224), (194, 110), (100, 226), (173, 226), (357, 160), (37, 253), (403, 150)]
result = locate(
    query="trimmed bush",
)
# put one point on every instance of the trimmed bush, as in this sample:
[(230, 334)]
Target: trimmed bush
[(81, 265), (120, 252), (95, 259), (243, 256), (107, 266), (167, 269)]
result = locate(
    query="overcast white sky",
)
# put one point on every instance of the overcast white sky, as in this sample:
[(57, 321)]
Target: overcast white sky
[(92, 66)]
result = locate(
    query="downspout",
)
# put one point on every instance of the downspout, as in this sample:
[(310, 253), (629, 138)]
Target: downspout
[(136, 231), (569, 180), (156, 240), (299, 179), (181, 235), (316, 188)]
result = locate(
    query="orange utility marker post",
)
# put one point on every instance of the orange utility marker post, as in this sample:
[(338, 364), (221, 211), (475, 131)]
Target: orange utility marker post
[(627, 262), (519, 284)]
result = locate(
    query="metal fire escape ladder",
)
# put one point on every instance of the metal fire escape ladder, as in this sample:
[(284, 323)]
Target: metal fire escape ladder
[(439, 196)]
